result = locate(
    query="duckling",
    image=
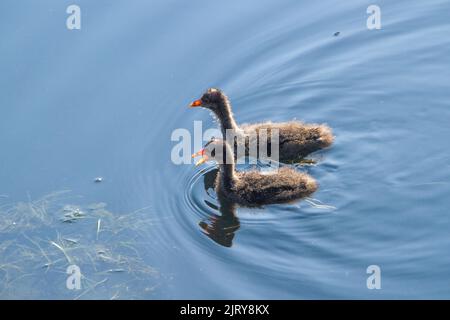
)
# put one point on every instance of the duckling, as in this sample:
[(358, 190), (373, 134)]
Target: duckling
[(253, 188), (296, 139)]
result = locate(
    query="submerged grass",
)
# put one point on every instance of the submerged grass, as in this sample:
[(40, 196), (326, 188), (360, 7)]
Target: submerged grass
[(40, 238)]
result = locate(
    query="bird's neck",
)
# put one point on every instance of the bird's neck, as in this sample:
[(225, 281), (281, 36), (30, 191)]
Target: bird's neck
[(226, 119), (227, 176), (227, 173)]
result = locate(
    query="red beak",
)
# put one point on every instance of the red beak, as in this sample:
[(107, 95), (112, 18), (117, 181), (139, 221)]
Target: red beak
[(196, 103), (203, 159)]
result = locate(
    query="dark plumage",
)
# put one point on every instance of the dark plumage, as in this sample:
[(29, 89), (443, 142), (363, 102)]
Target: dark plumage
[(253, 188), (296, 139)]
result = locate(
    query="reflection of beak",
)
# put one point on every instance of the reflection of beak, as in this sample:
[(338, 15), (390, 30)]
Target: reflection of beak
[(203, 159), (196, 103)]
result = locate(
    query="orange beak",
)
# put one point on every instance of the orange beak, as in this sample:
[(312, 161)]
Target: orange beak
[(203, 159), (196, 103)]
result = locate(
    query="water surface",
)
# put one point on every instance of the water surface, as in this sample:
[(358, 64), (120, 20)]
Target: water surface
[(103, 101)]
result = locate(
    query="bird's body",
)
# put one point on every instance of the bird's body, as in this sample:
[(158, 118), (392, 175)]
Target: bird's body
[(295, 139), (254, 188)]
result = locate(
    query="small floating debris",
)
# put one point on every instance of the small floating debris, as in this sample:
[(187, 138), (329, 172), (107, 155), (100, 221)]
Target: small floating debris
[(71, 240), (72, 214), (101, 252), (337, 33), (115, 270), (69, 259), (98, 226), (98, 179)]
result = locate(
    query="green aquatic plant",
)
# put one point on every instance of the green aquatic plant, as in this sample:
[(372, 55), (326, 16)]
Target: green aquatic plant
[(40, 239), (29, 215)]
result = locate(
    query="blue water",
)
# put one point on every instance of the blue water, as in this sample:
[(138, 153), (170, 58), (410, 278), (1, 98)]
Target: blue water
[(103, 101)]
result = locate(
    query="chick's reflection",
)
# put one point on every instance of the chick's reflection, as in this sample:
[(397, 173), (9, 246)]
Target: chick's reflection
[(220, 228)]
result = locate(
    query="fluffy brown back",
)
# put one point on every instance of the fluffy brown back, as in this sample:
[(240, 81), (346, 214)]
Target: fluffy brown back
[(296, 139), (254, 188)]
